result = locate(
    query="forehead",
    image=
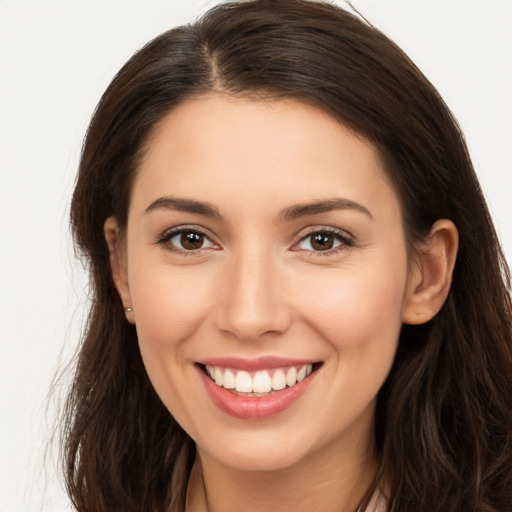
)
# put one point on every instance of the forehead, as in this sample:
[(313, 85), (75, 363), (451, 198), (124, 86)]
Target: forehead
[(234, 150)]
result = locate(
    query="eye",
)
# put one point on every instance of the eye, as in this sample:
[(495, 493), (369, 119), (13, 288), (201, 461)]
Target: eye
[(186, 240), (324, 241)]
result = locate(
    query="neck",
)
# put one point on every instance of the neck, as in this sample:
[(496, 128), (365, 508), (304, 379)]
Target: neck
[(333, 479)]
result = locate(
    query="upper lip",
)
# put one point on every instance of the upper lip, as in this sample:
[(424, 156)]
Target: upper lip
[(259, 363)]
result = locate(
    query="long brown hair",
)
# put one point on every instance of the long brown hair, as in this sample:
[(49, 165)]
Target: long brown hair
[(444, 415)]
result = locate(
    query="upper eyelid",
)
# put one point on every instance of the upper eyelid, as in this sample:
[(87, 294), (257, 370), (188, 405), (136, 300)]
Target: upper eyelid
[(347, 241), (164, 240), (311, 230), (170, 232)]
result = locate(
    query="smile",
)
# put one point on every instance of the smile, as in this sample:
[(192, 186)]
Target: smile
[(257, 389), (259, 383)]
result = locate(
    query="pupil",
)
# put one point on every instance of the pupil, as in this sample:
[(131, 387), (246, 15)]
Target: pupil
[(322, 242), (191, 240)]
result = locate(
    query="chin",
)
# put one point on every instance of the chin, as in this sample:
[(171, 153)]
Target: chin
[(260, 451), (259, 460)]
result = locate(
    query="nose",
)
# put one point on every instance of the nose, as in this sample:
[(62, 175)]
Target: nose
[(252, 301)]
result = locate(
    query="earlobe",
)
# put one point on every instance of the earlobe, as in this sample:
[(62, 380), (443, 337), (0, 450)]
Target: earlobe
[(431, 274), (118, 264)]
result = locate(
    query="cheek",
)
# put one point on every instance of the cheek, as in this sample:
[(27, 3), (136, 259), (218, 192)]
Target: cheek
[(359, 318), (170, 304), (169, 310), (358, 312), (348, 308)]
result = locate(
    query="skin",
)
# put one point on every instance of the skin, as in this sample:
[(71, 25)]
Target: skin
[(257, 287)]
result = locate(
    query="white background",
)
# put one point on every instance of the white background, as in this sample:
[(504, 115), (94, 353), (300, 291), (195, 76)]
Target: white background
[(56, 58)]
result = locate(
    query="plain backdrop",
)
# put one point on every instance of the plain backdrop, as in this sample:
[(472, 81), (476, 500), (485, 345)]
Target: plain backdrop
[(56, 58)]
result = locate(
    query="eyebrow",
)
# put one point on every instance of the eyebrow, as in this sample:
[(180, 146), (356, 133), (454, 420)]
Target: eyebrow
[(184, 205), (322, 206), (288, 214)]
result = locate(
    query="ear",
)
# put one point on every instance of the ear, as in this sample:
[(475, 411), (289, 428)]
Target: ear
[(431, 272), (118, 264)]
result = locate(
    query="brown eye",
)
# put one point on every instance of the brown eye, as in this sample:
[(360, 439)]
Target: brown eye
[(191, 240), (322, 241), (186, 240)]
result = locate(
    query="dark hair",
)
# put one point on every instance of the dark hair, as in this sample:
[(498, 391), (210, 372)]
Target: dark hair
[(444, 415)]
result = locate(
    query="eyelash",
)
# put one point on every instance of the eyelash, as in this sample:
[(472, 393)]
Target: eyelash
[(344, 239), (167, 236)]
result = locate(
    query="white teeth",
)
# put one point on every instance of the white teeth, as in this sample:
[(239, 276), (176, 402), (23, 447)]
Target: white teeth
[(262, 383), (278, 380), (291, 376), (228, 380), (218, 376), (243, 382)]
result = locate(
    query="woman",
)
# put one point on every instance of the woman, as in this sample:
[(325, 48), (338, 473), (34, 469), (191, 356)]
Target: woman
[(299, 297)]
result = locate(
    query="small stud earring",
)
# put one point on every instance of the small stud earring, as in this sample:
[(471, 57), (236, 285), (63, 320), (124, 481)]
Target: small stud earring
[(128, 310)]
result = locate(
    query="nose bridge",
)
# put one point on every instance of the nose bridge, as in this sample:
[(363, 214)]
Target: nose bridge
[(251, 303)]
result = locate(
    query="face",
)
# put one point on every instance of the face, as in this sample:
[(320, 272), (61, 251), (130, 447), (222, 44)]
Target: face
[(266, 266)]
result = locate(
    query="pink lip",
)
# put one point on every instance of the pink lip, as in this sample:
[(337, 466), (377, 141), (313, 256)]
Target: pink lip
[(253, 408), (253, 365)]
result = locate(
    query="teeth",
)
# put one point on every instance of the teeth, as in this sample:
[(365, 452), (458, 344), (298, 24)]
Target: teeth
[(228, 380), (278, 380), (263, 381), (291, 376), (243, 382), (218, 376)]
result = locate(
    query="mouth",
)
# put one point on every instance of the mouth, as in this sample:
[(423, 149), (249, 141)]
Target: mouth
[(260, 383)]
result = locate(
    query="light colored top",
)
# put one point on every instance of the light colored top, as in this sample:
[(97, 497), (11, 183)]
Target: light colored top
[(378, 503)]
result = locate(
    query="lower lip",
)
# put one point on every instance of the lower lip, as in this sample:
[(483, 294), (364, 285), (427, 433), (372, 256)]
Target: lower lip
[(254, 408)]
